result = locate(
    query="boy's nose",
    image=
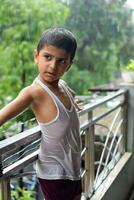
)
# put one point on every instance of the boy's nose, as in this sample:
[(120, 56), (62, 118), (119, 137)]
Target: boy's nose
[(53, 64)]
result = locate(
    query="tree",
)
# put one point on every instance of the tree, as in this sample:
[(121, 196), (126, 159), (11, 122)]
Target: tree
[(21, 24), (105, 36)]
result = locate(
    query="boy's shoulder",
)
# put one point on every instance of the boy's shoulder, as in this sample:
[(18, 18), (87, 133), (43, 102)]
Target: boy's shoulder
[(31, 90)]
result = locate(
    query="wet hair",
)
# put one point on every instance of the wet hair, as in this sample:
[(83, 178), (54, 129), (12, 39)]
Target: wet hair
[(59, 37)]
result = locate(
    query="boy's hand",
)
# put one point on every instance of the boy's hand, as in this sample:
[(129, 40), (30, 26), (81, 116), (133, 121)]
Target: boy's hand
[(79, 105)]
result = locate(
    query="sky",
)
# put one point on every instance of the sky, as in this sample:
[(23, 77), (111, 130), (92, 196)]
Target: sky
[(131, 3)]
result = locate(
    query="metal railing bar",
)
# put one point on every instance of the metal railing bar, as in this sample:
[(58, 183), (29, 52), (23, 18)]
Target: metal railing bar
[(10, 143), (95, 119), (17, 159), (92, 106), (27, 137), (1, 167), (112, 154), (111, 145), (83, 152), (106, 142), (20, 164), (82, 133), (118, 142), (19, 139), (109, 169), (30, 121), (113, 139), (22, 151), (103, 163), (104, 174), (102, 125), (103, 145), (101, 178), (83, 173), (98, 162)]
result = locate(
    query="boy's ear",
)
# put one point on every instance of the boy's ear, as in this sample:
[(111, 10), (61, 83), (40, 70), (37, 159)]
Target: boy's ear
[(35, 56)]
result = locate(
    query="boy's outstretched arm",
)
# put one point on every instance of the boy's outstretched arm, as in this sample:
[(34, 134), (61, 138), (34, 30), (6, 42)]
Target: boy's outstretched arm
[(18, 105)]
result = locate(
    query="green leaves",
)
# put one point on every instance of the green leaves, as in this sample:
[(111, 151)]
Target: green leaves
[(21, 24), (130, 66), (26, 195), (105, 32)]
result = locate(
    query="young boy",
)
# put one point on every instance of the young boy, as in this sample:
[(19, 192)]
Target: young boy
[(58, 165)]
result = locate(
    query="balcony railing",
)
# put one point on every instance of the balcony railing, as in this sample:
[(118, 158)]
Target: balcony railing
[(103, 134)]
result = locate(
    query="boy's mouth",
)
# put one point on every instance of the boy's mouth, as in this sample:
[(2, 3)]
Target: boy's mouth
[(51, 74)]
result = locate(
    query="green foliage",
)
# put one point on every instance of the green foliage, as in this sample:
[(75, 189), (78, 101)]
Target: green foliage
[(78, 80), (130, 66), (21, 24), (26, 195), (3, 129), (105, 32), (27, 115), (81, 80), (19, 34)]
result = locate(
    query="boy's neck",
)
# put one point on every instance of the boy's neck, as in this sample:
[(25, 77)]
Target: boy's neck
[(53, 84)]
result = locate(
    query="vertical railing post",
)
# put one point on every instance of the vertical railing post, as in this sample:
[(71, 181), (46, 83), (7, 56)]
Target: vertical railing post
[(20, 180), (1, 167), (130, 116), (5, 184), (124, 113), (5, 189), (89, 157)]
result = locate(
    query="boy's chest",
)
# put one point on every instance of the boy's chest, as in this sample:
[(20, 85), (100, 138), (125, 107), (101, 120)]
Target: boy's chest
[(62, 97), (46, 107)]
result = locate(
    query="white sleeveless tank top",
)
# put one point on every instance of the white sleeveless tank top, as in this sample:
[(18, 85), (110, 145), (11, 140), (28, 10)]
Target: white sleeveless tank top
[(60, 149)]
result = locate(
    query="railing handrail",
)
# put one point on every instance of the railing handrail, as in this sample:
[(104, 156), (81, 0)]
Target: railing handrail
[(34, 133), (92, 106), (19, 139)]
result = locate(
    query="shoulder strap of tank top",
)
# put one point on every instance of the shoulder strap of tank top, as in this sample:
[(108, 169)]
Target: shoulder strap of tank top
[(37, 80), (67, 90), (54, 97)]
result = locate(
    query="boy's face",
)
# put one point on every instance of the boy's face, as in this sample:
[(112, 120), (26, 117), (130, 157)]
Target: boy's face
[(52, 63)]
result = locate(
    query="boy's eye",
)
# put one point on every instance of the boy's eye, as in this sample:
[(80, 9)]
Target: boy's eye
[(48, 57), (63, 61)]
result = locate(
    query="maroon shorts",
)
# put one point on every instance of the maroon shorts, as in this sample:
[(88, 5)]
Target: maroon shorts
[(60, 189)]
